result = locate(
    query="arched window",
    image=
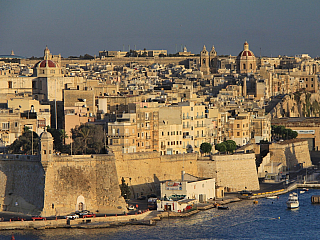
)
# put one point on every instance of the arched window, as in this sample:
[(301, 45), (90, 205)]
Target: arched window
[(244, 66)]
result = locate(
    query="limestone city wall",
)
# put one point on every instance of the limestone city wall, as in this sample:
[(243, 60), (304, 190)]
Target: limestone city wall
[(143, 171), (21, 184), (291, 153), (234, 172), (90, 179)]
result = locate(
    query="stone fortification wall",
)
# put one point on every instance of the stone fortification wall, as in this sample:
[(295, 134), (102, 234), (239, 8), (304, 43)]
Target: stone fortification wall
[(234, 172), (290, 153), (144, 171), (90, 179), (21, 184)]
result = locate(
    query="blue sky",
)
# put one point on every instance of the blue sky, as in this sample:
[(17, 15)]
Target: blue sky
[(285, 27)]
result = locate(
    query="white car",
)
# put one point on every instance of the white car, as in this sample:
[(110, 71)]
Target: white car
[(131, 207), (72, 216)]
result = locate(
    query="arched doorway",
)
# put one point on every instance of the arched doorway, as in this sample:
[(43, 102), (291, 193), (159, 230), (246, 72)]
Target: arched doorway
[(81, 204)]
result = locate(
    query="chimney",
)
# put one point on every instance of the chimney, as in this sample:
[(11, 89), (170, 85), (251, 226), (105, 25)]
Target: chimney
[(182, 175)]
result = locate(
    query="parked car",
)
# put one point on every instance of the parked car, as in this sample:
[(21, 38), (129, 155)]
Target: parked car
[(89, 215), (84, 212), (131, 207), (152, 196), (72, 216), (17, 219)]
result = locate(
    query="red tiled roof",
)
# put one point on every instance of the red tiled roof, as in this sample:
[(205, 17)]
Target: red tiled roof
[(47, 63)]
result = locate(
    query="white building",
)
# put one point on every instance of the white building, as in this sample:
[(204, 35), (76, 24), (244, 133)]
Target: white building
[(177, 195)]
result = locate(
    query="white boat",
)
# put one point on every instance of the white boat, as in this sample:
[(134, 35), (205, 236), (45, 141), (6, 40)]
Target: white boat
[(272, 197), (302, 192), (293, 201)]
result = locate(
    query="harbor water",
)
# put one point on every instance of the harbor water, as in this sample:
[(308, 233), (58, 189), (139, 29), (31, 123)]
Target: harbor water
[(269, 219)]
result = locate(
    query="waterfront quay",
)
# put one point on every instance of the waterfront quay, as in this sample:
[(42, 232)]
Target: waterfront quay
[(93, 222), (147, 217)]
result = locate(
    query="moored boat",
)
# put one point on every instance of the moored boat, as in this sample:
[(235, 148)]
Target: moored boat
[(293, 201), (272, 197), (223, 208)]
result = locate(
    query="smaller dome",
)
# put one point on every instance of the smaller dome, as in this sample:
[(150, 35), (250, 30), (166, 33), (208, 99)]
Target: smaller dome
[(45, 135), (47, 63)]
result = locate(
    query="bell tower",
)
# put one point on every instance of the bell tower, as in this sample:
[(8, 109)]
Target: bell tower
[(213, 60), (204, 61)]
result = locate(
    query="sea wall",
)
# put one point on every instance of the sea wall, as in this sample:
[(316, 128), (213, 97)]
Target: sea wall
[(290, 153), (59, 186), (144, 171), (21, 184), (234, 172), (89, 180)]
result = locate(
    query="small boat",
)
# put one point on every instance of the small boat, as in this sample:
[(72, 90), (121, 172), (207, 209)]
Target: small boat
[(272, 197), (305, 189), (302, 192), (293, 201), (255, 201), (223, 208)]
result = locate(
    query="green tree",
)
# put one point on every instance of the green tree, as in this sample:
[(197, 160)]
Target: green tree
[(282, 132), (57, 140), (63, 135), (205, 147), (227, 146), (231, 146), (125, 189), (221, 147), (25, 142), (88, 139)]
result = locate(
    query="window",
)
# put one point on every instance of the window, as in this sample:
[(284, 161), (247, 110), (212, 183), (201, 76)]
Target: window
[(5, 126), (244, 66), (9, 84), (138, 134), (238, 133), (238, 125), (162, 133)]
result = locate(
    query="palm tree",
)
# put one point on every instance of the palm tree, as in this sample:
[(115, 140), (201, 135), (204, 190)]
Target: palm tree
[(63, 136), (85, 134)]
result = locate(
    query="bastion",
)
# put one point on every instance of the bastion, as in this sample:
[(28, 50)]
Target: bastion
[(54, 185)]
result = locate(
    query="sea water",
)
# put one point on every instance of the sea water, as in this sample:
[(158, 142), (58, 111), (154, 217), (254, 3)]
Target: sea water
[(269, 219)]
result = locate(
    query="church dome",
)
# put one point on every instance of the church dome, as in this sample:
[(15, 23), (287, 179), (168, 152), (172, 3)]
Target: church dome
[(246, 52), (47, 63)]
